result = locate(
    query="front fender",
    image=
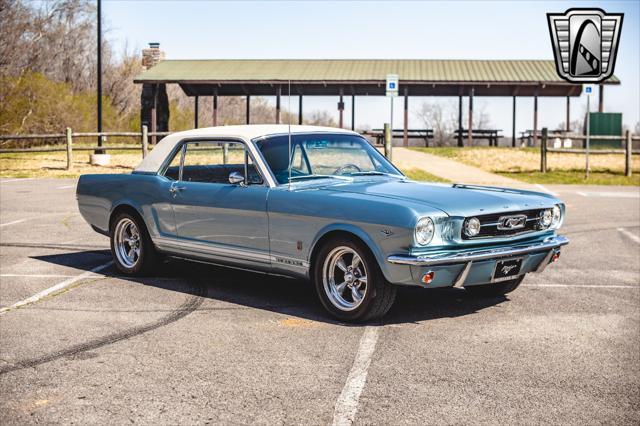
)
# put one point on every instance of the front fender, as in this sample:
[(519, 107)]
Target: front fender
[(393, 273)]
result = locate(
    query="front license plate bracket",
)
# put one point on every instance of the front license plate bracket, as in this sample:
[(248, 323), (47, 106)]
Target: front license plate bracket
[(507, 269)]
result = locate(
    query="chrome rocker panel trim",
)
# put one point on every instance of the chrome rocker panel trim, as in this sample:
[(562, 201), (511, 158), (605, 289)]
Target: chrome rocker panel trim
[(472, 256)]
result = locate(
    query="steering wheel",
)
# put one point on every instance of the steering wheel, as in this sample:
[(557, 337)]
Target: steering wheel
[(341, 169)]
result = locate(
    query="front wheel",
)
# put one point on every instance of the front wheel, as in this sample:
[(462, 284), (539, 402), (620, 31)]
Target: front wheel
[(349, 281), (495, 289), (131, 246)]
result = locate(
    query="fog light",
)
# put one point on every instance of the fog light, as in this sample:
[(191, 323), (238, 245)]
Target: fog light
[(428, 277), (472, 227), (546, 218)]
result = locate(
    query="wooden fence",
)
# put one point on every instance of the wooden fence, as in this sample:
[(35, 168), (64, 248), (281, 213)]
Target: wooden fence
[(69, 136), (627, 138)]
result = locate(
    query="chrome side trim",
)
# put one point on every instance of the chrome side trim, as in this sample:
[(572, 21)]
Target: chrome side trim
[(235, 253), (469, 256), (459, 282), (211, 249)]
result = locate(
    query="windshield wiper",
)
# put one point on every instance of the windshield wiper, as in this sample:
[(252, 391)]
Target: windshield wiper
[(374, 173), (314, 177)]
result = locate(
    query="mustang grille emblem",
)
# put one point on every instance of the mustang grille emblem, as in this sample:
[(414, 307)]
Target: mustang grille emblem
[(509, 223), (507, 268)]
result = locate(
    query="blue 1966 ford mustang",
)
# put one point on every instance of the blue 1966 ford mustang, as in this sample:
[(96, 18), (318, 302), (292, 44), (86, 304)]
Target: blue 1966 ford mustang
[(322, 204)]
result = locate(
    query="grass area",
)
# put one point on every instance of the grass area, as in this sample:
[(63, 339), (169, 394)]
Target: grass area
[(524, 164), (417, 174), (54, 164), (575, 177)]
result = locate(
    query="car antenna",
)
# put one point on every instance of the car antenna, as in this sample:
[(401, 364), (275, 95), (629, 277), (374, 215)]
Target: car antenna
[(289, 121)]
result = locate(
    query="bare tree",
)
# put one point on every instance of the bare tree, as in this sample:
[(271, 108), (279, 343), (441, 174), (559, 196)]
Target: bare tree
[(440, 117)]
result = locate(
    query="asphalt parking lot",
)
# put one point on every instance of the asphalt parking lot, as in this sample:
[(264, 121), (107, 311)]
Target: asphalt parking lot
[(201, 344)]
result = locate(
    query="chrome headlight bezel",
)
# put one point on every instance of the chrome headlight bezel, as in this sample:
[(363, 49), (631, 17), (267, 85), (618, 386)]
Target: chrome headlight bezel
[(424, 231)]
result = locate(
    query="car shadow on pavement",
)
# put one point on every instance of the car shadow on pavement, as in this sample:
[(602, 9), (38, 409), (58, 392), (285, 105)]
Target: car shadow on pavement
[(286, 296)]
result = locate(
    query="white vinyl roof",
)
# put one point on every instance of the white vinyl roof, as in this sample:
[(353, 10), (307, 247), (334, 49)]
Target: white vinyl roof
[(152, 162)]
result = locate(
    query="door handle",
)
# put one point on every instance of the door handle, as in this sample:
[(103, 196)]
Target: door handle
[(174, 189)]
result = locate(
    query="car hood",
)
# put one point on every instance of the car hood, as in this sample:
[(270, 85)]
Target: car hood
[(455, 200)]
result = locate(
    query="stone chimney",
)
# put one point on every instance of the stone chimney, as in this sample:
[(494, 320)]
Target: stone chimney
[(152, 56)]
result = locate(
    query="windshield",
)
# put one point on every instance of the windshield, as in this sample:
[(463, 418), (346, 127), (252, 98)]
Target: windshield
[(323, 155)]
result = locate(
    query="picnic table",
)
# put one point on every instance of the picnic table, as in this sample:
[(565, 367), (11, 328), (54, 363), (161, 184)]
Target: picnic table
[(492, 135), (378, 134)]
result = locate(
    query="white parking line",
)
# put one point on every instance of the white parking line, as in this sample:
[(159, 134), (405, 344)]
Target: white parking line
[(544, 189), (632, 237), (347, 403), (66, 187), (57, 287), (15, 180), (40, 275), (610, 194), (581, 285), (12, 223)]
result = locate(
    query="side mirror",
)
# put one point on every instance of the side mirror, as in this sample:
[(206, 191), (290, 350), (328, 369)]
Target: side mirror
[(236, 178)]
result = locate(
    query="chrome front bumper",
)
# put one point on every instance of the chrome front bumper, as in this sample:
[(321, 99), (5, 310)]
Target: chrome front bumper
[(550, 244)]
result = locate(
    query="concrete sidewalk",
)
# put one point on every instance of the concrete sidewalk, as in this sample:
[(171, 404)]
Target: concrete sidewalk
[(453, 171)]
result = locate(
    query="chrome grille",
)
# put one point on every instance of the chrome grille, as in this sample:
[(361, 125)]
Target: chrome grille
[(491, 225)]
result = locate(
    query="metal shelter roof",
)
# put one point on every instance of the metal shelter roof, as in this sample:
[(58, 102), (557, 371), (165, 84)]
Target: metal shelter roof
[(420, 77)]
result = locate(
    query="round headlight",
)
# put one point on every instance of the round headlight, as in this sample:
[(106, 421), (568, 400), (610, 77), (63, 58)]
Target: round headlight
[(424, 231), (556, 216), (472, 227), (546, 218)]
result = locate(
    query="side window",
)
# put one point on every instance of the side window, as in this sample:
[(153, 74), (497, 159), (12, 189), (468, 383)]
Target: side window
[(213, 162), (173, 171)]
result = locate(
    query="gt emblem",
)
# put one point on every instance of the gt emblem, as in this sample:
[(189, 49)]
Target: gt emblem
[(386, 232), (509, 223)]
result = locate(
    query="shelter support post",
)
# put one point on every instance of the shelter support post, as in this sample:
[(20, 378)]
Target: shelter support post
[(460, 141), (567, 126), (278, 94), (341, 109), (513, 124), (300, 110), (353, 112), (405, 138), (248, 112), (195, 112), (215, 110), (470, 131), (601, 99), (535, 118)]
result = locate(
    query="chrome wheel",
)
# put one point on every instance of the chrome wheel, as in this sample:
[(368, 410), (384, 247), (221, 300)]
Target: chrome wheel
[(127, 243), (344, 278)]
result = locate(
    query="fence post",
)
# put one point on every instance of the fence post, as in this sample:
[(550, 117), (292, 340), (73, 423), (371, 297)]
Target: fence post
[(145, 141), (69, 149), (543, 150), (387, 141), (627, 154)]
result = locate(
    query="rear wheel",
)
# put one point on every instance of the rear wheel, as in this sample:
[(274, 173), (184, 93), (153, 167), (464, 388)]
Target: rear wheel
[(131, 246), (495, 289), (349, 281)]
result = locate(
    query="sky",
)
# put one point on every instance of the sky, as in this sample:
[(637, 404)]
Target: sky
[(385, 30)]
